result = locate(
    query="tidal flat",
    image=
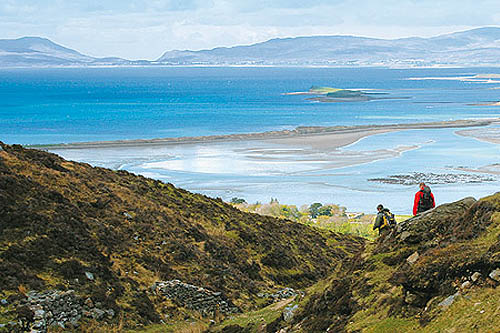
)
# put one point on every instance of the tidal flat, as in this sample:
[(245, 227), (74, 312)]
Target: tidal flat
[(313, 166)]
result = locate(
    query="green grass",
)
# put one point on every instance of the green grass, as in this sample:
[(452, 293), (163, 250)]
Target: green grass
[(180, 327), (323, 90), (257, 318)]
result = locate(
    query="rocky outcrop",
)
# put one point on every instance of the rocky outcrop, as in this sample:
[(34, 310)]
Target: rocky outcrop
[(41, 310), (281, 294), (433, 178), (206, 302), (433, 225)]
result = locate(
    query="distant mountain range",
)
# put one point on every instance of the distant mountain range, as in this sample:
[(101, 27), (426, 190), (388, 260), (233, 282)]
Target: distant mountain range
[(477, 47), (41, 52)]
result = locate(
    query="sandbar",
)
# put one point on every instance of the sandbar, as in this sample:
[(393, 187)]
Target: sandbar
[(491, 135), (478, 78), (492, 169), (320, 137)]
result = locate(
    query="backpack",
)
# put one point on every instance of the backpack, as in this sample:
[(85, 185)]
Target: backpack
[(425, 202), (389, 219)]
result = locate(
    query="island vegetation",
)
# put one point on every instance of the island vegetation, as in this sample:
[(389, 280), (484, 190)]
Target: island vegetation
[(329, 94)]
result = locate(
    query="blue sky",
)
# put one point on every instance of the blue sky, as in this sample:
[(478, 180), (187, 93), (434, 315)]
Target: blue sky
[(144, 29)]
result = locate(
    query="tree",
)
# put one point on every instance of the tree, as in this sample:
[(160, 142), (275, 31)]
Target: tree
[(237, 201), (314, 209)]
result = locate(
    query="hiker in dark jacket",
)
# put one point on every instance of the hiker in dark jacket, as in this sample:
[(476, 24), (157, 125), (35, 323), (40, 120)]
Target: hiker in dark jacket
[(424, 200), (381, 224)]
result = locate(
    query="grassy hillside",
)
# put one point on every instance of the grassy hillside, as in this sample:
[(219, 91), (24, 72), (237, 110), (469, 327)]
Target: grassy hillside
[(62, 220), (431, 275)]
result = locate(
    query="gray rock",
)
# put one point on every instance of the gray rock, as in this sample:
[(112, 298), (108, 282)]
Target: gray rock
[(466, 285), (110, 313), (475, 277), (74, 321), (89, 276), (449, 300), (4, 302), (197, 298), (289, 311), (405, 235), (495, 275), (39, 313), (97, 313), (413, 258)]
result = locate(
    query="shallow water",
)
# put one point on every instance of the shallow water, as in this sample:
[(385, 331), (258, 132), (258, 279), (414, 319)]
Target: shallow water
[(233, 169)]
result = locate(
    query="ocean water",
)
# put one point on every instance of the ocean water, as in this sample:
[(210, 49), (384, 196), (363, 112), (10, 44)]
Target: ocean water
[(74, 105)]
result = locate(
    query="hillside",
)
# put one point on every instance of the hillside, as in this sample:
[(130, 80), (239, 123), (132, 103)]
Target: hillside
[(101, 239), (437, 272)]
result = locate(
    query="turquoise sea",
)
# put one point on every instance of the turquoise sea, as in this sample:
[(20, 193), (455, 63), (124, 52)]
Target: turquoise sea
[(73, 105)]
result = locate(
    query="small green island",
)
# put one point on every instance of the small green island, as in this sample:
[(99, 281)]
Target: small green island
[(335, 95)]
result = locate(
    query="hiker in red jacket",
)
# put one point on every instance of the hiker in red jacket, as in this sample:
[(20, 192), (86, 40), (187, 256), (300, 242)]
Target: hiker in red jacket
[(424, 200)]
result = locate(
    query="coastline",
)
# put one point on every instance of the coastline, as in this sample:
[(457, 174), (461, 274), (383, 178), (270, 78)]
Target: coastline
[(318, 136), (326, 165)]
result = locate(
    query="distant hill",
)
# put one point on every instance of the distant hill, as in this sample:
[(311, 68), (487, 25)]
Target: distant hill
[(109, 236), (478, 47), (38, 52)]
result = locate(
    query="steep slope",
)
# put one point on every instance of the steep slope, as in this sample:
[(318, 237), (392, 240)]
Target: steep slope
[(438, 272), (111, 235)]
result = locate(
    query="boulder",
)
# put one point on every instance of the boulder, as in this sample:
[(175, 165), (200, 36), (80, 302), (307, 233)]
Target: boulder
[(424, 227), (404, 235), (289, 311), (466, 285), (413, 258), (495, 275), (475, 277), (449, 300)]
